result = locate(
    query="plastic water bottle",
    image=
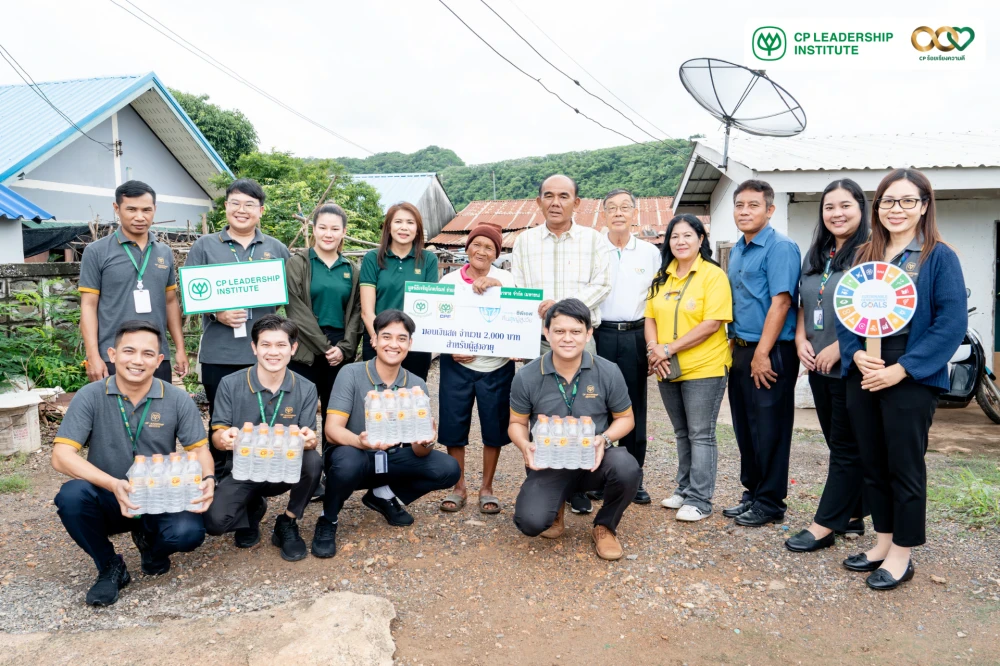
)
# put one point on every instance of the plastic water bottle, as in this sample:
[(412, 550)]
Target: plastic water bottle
[(588, 456), (424, 427), (543, 442), (175, 485), (391, 435), (405, 416), (558, 460), (261, 451), (157, 485), (138, 481), (572, 456), (275, 466), (192, 481), (243, 453), (375, 421), (293, 456)]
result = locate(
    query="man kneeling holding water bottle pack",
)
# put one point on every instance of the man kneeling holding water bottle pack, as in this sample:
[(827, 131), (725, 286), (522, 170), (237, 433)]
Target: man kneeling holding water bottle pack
[(128, 414), (270, 396)]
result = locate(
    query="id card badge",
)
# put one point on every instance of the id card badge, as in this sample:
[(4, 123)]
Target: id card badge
[(381, 462), (818, 319), (142, 302), (240, 331)]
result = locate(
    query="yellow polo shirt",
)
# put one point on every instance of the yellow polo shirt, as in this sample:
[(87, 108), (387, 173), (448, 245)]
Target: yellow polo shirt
[(708, 296)]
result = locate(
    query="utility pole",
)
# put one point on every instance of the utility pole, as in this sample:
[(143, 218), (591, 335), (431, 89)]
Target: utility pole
[(494, 185)]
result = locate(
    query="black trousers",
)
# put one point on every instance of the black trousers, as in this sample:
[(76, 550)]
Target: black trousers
[(627, 350), (232, 498), (163, 371), (211, 377), (891, 427), (762, 419), (419, 363), (322, 374), (410, 476), (842, 496)]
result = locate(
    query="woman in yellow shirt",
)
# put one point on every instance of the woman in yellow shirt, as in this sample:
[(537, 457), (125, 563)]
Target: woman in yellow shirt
[(689, 302)]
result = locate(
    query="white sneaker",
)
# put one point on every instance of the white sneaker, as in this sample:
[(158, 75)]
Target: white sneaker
[(673, 502), (691, 514)]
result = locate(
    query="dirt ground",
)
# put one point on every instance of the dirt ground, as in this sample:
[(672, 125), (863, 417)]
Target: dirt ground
[(469, 589)]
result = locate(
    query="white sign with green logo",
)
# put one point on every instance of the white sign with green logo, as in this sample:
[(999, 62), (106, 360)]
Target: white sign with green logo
[(236, 286), (452, 319)]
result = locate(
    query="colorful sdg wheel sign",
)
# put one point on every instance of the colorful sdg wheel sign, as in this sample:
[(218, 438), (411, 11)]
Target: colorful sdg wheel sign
[(875, 299)]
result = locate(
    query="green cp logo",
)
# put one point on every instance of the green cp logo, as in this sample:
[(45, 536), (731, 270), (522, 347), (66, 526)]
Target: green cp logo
[(769, 43), (421, 308), (200, 289)]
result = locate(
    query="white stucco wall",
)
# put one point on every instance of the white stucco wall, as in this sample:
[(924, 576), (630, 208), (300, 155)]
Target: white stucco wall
[(11, 247)]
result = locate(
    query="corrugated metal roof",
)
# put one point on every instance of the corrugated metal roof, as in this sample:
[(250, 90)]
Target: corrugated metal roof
[(30, 129), (863, 151), (15, 207), (396, 187)]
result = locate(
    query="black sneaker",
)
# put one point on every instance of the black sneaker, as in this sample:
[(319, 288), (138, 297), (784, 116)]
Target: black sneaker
[(324, 538), (641, 496), (393, 511), (248, 537), (286, 537), (597, 495), (150, 566), (580, 503), (113, 578)]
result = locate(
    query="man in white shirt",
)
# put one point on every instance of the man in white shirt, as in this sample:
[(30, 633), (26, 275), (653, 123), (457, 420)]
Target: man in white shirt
[(620, 336)]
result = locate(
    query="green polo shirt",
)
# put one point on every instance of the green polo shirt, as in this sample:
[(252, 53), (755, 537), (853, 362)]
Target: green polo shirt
[(389, 282), (329, 289)]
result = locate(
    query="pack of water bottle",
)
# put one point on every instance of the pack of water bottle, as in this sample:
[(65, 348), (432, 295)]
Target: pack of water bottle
[(564, 443), (400, 416), (165, 485), (264, 454)]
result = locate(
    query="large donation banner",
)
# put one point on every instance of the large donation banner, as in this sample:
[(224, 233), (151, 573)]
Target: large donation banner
[(453, 319), (236, 286)]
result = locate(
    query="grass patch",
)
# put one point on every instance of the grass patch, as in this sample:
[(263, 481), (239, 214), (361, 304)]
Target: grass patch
[(968, 492), (14, 483)]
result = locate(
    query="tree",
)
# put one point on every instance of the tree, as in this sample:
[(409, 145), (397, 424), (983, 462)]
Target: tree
[(429, 159), (228, 130)]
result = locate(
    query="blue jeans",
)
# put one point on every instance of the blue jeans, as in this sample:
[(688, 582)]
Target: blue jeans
[(693, 408), (91, 514)]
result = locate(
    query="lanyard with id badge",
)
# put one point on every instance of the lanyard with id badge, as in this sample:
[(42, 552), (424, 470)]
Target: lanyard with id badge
[(818, 311), (241, 330), (140, 295)]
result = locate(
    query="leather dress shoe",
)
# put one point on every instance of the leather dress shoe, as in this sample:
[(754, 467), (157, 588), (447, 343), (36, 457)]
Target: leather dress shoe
[(754, 518), (734, 511), (853, 527), (860, 562), (805, 542), (881, 579), (642, 497)]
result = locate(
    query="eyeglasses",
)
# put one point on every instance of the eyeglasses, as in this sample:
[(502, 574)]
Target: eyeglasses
[(625, 209), (906, 203), (248, 206)]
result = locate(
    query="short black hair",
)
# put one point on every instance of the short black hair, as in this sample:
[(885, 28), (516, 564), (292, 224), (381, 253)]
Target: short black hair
[(136, 326), (614, 193), (273, 322), (249, 187), (570, 307), (576, 188), (133, 189), (755, 185), (389, 317)]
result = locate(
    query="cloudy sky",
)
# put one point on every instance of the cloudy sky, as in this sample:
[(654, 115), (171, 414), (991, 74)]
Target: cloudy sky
[(404, 74)]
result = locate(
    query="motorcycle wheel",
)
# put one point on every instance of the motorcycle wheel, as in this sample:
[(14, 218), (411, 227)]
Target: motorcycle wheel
[(988, 397)]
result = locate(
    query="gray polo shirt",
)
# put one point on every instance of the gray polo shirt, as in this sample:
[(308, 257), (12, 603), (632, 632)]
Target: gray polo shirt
[(809, 295), (601, 392), (909, 261), (94, 418), (105, 270), (354, 382), (218, 344)]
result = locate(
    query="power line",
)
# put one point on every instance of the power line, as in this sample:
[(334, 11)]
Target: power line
[(533, 78), (228, 71), (573, 60), (35, 88)]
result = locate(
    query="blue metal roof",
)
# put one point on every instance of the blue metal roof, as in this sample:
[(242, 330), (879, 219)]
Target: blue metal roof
[(15, 207), (396, 187), (30, 127)]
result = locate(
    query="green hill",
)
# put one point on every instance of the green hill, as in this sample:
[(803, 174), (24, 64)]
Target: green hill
[(650, 169)]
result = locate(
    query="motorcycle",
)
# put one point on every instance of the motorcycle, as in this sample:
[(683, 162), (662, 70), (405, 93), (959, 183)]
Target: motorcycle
[(971, 378)]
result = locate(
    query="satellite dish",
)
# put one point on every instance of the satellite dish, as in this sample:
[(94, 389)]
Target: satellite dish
[(743, 98)]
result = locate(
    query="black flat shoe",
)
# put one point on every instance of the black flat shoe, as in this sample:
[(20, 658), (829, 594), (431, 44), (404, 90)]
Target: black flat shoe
[(860, 562), (881, 579), (853, 527), (642, 497), (754, 518), (805, 542), (734, 511)]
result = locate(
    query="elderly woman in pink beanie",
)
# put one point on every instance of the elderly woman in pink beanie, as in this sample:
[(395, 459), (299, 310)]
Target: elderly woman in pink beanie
[(484, 380)]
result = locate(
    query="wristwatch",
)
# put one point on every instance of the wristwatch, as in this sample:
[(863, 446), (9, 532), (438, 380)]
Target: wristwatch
[(607, 442)]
